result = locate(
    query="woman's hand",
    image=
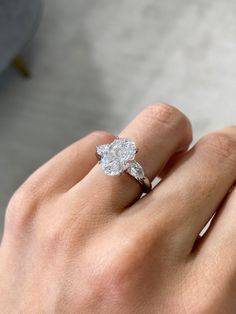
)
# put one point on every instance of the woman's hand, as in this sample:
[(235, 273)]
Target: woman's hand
[(78, 241)]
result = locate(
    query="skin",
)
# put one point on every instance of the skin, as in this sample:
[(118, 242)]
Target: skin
[(78, 241)]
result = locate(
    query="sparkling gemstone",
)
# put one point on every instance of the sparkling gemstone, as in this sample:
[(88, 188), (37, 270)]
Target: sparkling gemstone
[(124, 149), (136, 170), (115, 157), (111, 167), (103, 150)]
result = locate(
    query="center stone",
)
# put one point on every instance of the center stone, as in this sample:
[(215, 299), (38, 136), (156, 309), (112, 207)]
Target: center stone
[(123, 149), (116, 157)]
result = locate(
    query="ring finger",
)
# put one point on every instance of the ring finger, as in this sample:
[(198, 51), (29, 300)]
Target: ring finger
[(159, 131)]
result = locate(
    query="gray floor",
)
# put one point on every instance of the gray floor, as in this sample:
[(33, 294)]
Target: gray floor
[(96, 64)]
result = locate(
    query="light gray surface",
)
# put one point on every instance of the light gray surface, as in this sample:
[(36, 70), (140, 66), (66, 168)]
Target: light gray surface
[(97, 63)]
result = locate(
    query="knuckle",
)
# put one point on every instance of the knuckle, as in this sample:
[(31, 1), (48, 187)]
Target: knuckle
[(114, 279), (169, 115), (20, 208), (53, 239), (163, 112), (127, 263), (222, 144), (116, 273)]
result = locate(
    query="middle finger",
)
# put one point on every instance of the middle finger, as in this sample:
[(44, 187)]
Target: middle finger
[(191, 192)]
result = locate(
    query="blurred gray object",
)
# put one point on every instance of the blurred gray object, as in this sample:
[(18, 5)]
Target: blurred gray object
[(18, 21)]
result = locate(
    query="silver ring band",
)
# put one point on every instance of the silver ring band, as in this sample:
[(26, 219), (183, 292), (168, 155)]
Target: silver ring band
[(119, 157)]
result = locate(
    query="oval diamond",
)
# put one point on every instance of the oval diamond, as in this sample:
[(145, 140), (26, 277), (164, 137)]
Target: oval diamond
[(115, 157), (124, 149), (103, 150), (111, 167)]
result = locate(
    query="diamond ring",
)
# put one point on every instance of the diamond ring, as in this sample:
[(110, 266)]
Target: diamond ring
[(119, 157)]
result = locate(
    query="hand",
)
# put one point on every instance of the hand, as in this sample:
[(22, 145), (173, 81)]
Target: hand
[(78, 241)]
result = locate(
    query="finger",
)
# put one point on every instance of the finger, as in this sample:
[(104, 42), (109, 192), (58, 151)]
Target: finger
[(68, 167), (159, 131), (216, 249), (194, 188), (220, 238)]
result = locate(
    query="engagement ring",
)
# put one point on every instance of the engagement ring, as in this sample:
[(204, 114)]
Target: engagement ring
[(119, 157)]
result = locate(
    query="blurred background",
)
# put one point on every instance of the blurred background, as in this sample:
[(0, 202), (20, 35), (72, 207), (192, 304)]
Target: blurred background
[(96, 64)]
